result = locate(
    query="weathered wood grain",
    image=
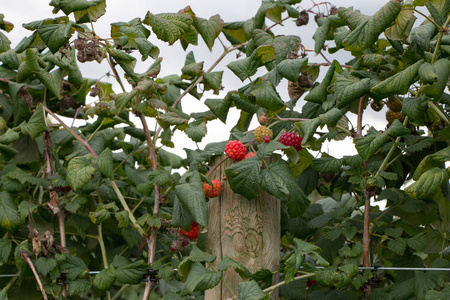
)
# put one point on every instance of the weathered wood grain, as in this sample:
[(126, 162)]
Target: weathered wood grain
[(247, 231)]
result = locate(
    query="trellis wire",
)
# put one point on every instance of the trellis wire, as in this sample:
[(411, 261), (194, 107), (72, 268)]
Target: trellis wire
[(317, 267)]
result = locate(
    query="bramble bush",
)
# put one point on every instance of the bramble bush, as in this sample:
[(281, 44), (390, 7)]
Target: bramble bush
[(110, 195)]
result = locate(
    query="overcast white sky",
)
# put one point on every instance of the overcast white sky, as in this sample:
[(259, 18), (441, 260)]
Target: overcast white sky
[(24, 11)]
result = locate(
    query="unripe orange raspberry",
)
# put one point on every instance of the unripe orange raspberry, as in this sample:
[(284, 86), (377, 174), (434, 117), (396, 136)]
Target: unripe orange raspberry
[(212, 191), (250, 154)]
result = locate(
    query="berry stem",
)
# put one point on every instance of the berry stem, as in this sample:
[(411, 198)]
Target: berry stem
[(215, 166)]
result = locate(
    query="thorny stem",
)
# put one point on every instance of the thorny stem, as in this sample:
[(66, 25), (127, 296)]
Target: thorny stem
[(151, 242), (36, 275), (273, 287), (366, 237), (360, 116)]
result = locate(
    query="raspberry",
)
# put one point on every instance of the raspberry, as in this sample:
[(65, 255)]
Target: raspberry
[(392, 115), (214, 191), (309, 283), (394, 104), (193, 232), (266, 139), (262, 131), (235, 150), (291, 139), (250, 154)]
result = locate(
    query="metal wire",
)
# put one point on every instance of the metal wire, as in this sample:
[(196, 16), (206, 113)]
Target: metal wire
[(317, 267)]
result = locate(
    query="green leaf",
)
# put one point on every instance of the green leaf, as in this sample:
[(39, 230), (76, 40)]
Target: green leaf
[(213, 81), (397, 129), (428, 184), (192, 70), (209, 29), (55, 36), (5, 250), (168, 27), (319, 93), (266, 96), (74, 266), (442, 73), (230, 263), (266, 150), (10, 136), (426, 281), (84, 10), (9, 217), (367, 146), (431, 161), (44, 265), (291, 68), (273, 183), (192, 196), (105, 279), (416, 108), (403, 23), (399, 83), (197, 255), (80, 171), (196, 131), (200, 279), (367, 32), (418, 242), (244, 177), (220, 107), (309, 127), (321, 34), (444, 209), (350, 89), (297, 202), (327, 164), (331, 233), (128, 272), (78, 287), (105, 163), (292, 265), (250, 290), (332, 117)]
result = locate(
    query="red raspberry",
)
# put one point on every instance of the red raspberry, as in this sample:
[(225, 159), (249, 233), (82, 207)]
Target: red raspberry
[(266, 139), (250, 154), (309, 283), (179, 243), (215, 190), (262, 131), (193, 232), (235, 150), (291, 139)]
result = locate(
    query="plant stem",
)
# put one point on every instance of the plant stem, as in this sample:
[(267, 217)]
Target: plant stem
[(438, 111), (273, 287), (36, 275), (116, 75), (104, 257), (426, 17), (439, 40), (384, 164), (360, 116), (366, 237), (119, 292)]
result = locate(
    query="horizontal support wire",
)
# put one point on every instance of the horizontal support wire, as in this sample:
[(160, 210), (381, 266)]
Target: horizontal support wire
[(317, 267)]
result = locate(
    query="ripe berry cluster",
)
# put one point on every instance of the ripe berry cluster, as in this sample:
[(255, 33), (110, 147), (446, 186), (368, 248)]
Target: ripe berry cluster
[(212, 191), (291, 139), (193, 232), (235, 150)]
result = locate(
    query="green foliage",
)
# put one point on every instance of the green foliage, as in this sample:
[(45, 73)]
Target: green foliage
[(117, 190)]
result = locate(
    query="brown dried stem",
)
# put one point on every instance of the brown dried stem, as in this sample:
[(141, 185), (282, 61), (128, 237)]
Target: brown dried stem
[(36, 275)]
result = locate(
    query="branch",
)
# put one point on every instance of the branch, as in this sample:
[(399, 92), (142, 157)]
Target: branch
[(271, 288), (360, 116), (36, 275)]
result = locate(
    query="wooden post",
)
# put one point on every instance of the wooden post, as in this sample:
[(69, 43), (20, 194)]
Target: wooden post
[(247, 231)]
